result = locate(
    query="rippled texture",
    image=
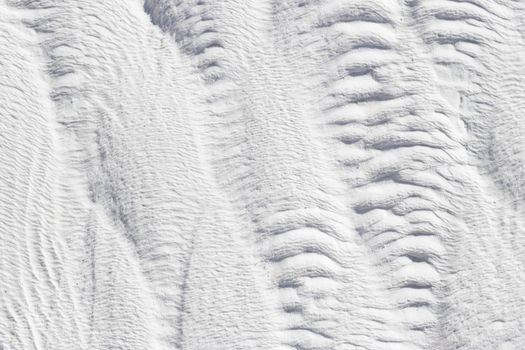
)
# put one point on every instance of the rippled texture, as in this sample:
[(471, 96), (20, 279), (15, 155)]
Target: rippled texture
[(262, 174)]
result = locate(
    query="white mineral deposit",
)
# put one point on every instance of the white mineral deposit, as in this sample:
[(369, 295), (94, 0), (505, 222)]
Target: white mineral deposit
[(262, 174)]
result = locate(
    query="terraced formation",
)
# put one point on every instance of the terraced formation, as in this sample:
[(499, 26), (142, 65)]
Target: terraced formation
[(262, 174)]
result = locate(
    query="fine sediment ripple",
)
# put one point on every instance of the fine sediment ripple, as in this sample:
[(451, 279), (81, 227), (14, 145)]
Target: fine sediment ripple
[(300, 174)]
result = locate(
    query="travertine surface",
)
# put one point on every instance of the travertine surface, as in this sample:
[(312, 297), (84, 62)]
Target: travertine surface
[(262, 174)]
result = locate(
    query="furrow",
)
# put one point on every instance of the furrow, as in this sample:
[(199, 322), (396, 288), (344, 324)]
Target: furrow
[(395, 140), (357, 47)]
